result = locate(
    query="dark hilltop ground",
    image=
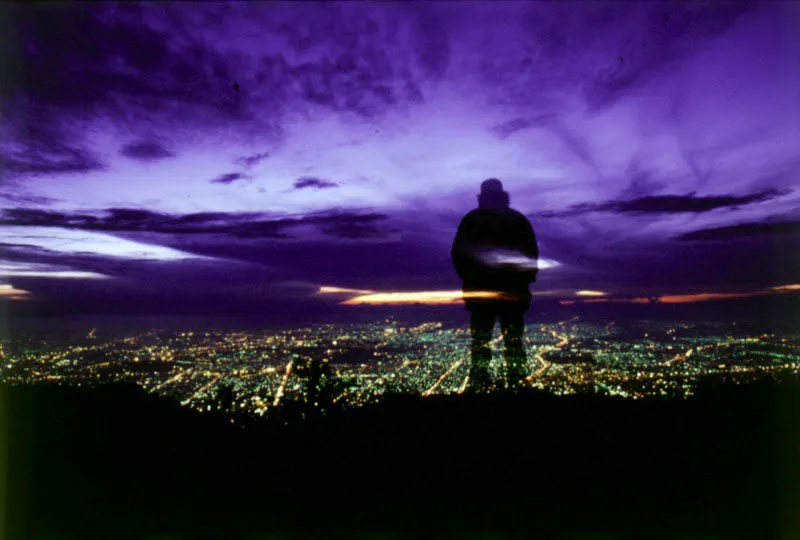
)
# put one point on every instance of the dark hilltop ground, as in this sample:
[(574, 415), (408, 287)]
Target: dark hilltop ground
[(114, 462)]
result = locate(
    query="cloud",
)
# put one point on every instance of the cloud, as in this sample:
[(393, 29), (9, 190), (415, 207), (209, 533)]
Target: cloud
[(668, 204), (315, 183), (164, 66), (506, 129), (744, 230), (67, 242), (648, 39), (53, 159), (433, 42), (137, 66), (335, 223), (36, 143), (146, 151), (250, 161), (601, 52), (643, 182), (142, 74), (229, 178), (353, 227), (29, 199), (16, 269)]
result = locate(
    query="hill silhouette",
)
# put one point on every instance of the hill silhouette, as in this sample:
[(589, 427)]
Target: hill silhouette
[(114, 462)]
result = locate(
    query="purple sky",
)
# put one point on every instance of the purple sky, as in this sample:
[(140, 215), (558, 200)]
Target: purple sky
[(245, 154)]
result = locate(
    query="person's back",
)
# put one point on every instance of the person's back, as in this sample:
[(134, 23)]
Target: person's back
[(491, 242), (483, 252), (495, 249)]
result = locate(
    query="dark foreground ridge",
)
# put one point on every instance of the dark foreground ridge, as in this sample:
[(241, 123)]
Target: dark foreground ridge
[(113, 462)]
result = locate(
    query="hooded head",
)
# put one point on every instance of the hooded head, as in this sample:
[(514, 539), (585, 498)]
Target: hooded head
[(492, 195)]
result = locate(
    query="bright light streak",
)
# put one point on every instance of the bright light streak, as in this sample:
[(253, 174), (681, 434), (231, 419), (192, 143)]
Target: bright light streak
[(548, 263), (787, 288), (430, 390), (703, 297), (591, 293), (333, 290), (513, 257), (201, 390), (61, 274), (13, 268), (423, 297), (97, 243), (279, 393), (677, 358), (540, 353), (463, 386), (502, 257), (8, 291), (176, 378)]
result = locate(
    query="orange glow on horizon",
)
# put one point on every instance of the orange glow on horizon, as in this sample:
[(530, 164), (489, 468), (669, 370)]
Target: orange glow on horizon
[(369, 297), (591, 293), (422, 297), (703, 297), (8, 291), (787, 288)]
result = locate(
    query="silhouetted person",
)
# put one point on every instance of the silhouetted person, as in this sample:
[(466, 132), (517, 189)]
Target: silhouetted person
[(495, 250)]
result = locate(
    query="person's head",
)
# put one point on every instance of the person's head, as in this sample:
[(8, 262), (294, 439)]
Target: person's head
[(492, 195)]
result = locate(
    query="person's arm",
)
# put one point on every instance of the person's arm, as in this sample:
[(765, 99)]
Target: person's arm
[(530, 247), (463, 261)]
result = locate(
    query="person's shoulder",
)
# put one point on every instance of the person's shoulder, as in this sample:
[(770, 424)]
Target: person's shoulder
[(475, 213), (520, 220), (519, 215), (513, 215)]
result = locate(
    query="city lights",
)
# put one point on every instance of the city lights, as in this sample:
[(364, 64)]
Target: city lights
[(355, 364)]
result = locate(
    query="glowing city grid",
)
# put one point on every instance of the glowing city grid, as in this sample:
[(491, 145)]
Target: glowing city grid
[(261, 371)]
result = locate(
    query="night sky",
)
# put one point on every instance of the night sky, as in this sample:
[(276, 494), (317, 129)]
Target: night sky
[(237, 157)]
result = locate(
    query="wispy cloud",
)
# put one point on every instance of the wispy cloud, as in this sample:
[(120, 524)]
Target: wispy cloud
[(64, 242), (146, 151), (229, 178), (343, 224), (669, 204), (251, 161), (59, 159), (20, 269), (29, 199), (744, 230), (314, 183)]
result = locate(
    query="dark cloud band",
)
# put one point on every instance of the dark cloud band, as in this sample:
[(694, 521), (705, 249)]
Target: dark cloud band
[(334, 223), (669, 204), (744, 230), (314, 183), (146, 151)]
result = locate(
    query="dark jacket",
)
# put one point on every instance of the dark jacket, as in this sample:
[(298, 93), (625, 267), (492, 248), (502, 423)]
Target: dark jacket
[(485, 229)]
